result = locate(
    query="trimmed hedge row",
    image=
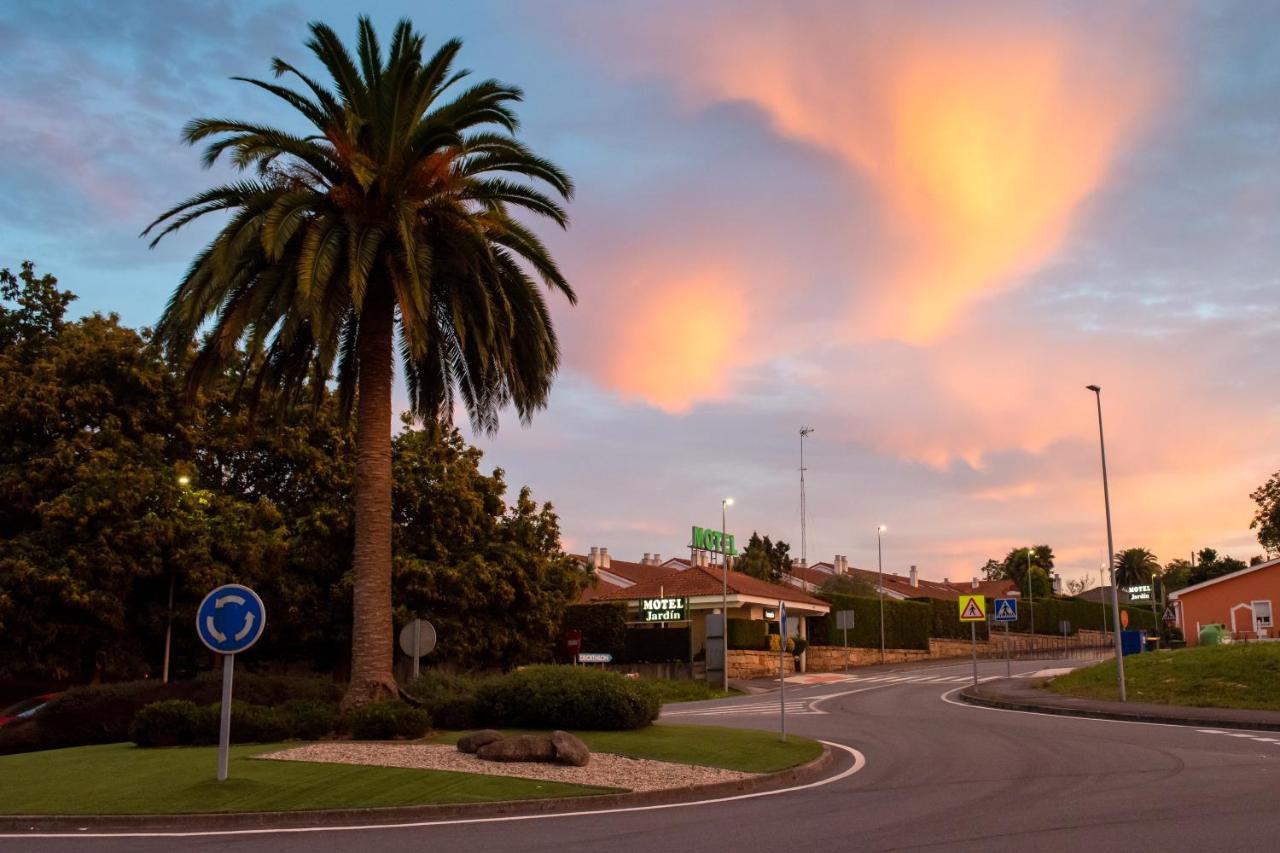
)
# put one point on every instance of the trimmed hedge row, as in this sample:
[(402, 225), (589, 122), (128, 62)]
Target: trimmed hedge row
[(1081, 614), (103, 713), (603, 627), (748, 634), (945, 621), (906, 623), (179, 722)]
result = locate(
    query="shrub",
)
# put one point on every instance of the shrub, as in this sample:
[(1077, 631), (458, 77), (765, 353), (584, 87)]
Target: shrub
[(169, 722), (906, 623), (309, 719), (386, 720), (565, 697), (449, 698), (748, 634), (103, 713), (603, 627)]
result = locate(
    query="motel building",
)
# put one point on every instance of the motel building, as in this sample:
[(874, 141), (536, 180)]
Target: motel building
[(678, 594), (1242, 601)]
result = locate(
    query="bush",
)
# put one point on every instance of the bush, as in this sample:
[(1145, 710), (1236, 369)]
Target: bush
[(906, 623), (310, 719), (169, 722), (565, 697), (449, 698), (748, 634), (656, 645), (103, 713), (387, 720)]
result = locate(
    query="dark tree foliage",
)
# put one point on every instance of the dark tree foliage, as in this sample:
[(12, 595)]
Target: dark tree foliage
[(1267, 520), (763, 558)]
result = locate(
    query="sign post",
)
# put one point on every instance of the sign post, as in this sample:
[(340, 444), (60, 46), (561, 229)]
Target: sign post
[(1006, 611), (417, 638), (782, 665), (229, 621), (844, 621), (973, 609)]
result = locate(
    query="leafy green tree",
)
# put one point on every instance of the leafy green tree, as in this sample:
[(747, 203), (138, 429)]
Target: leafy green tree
[(763, 558), (1267, 519), (847, 585), (391, 220), (1136, 566), (1210, 564), (1014, 567), (1176, 575)]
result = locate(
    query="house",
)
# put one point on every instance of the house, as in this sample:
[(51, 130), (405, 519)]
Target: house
[(1242, 601), (895, 586)]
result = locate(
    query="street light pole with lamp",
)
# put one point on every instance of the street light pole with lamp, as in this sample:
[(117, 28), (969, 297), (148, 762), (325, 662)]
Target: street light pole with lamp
[(185, 482), (1031, 600), (880, 569), (1111, 548), (724, 589)]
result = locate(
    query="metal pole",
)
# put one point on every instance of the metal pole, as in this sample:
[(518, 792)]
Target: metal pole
[(1111, 548), (1008, 659), (880, 568), (724, 594), (417, 644), (168, 633), (973, 643), (782, 665), (846, 651), (1031, 601), (1102, 595), (224, 726), (804, 538)]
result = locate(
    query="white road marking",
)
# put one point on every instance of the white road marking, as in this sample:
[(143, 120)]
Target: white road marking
[(859, 762)]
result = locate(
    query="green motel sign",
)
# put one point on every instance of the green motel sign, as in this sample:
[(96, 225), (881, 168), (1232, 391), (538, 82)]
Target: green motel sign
[(664, 609), (705, 539)]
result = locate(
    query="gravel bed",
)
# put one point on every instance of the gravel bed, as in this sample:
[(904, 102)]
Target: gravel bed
[(605, 770)]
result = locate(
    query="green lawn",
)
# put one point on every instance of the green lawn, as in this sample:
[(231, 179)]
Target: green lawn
[(125, 779), (686, 690), (1236, 676), (709, 746)]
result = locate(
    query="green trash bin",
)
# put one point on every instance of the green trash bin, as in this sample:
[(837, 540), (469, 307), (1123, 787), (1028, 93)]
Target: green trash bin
[(1211, 635)]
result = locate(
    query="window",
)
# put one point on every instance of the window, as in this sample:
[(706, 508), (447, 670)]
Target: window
[(1261, 615)]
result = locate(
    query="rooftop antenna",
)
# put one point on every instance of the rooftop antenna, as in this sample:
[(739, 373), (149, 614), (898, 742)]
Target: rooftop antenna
[(804, 541)]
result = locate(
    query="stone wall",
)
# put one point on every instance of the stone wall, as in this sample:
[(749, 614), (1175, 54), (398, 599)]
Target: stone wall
[(833, 658), (747, 663)]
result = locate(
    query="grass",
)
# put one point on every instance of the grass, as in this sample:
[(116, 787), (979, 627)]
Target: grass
[(708, 746), (1242, 675), (125, 779), (686, 690)]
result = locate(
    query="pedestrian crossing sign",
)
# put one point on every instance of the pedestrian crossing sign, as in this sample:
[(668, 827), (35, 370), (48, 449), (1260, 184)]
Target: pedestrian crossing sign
[(973, 608), (1006, 610)]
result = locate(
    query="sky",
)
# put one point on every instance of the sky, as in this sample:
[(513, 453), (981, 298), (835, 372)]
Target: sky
[(920, 229)]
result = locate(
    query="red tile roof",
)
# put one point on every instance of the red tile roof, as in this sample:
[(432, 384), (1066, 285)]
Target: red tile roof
[(695, 580)]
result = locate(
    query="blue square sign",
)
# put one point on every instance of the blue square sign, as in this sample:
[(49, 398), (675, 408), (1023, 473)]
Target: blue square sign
[(1006, 610)]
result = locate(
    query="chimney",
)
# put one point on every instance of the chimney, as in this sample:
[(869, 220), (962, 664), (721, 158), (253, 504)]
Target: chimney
[(915, 577), (946, 580), (798, 563), (604, 558), (974, 583), (844, 564), (594, 559), (657, 559), (647, 557)]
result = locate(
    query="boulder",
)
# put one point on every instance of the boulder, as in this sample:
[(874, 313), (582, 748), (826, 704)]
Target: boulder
[(518, 748), (570, 749), (475, 740)]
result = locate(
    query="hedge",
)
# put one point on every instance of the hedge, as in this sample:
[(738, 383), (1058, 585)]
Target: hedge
[(748, 634), (566, 697), (603, 627), (102, 713), (946, 621), (1086, 615), (387, 720), (181, 722), (907, 623), (655, 645), (450, 698)]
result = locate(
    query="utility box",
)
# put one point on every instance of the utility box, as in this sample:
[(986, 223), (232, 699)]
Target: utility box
[(1132, 642)]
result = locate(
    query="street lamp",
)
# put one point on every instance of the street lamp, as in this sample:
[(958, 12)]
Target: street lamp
[(724, 590), (1031, 601), (1111, 548), (880, 568), (185, 482)]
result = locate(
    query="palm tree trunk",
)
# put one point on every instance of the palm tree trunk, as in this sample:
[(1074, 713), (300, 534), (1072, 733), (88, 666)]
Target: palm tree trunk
[(371, 641)]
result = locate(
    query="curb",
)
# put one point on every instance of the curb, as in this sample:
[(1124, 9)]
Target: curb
[(977, 698), (37, 824)]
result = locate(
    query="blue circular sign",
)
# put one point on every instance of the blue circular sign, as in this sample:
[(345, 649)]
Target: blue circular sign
[(230, 619)]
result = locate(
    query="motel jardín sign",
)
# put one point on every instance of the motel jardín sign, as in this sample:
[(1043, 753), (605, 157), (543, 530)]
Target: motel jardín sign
[(664, 609)]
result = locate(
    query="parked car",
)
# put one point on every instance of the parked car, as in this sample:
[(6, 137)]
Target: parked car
[(24, 709)]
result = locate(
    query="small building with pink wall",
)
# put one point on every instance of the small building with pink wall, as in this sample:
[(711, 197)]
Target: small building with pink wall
[(1243, 601)]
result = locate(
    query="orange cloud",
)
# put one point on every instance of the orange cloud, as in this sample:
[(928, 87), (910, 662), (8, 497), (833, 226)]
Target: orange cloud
[(980, 141), (677, 341)]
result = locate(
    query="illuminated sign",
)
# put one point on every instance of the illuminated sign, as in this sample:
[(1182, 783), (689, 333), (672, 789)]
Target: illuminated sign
[(664, 609), (1139, 592), (705, 539)]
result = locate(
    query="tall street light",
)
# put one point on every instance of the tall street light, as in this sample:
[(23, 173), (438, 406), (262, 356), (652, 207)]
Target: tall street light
[(1111, 548), (724, 590), (880, 568), (1031, 601), (185, 482)]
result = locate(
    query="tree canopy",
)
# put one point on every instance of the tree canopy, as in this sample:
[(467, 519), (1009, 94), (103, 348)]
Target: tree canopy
[(1267, 519), (763, 558)]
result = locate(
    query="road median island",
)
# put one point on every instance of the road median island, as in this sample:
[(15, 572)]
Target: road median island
[(371, 793)]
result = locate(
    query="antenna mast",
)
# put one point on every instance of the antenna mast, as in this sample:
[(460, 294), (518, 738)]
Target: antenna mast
[(804, 542)]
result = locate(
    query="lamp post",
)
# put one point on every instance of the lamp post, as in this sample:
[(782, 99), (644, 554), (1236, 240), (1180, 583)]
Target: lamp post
[(1111, 548), (880, 570), (724, 589), (185, 482), (1031, 601)]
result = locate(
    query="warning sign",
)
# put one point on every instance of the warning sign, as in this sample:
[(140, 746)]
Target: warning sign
[(973, 608), (1169, 615)]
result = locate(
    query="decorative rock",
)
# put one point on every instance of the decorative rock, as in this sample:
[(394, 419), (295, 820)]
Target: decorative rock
[(570, 749), (475, 740), (518, 748)]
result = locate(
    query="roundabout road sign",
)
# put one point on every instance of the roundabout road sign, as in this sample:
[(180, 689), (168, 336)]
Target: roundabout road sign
[(230, 619)]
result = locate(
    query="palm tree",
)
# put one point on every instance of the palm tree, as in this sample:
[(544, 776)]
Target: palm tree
[(388, 226), (1135, 566)]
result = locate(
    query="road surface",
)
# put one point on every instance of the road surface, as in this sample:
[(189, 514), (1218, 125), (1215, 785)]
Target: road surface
[(937, 776)]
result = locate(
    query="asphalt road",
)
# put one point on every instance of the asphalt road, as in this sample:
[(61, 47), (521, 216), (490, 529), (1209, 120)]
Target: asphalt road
[(937, 776)]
